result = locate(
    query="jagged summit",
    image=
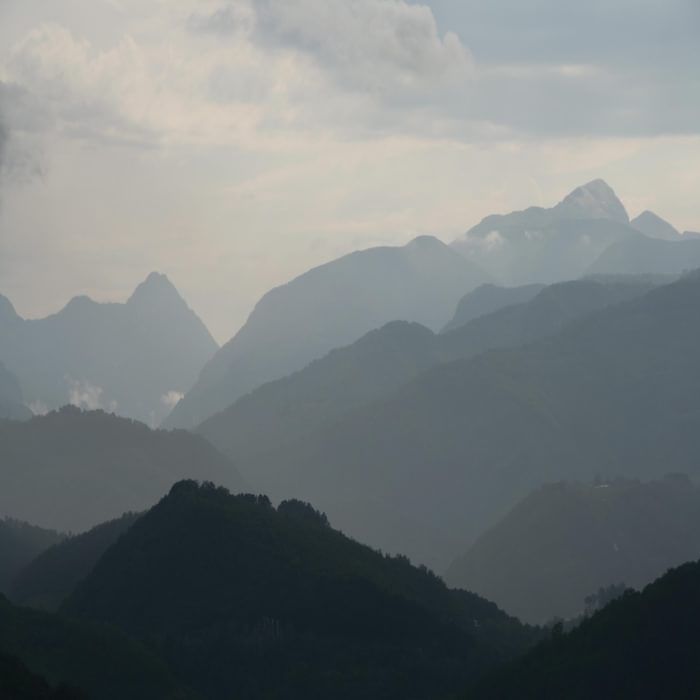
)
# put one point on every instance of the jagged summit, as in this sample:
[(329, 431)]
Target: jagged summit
[(594, 200)]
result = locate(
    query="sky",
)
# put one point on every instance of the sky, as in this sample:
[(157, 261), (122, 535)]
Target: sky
[(234, 144)]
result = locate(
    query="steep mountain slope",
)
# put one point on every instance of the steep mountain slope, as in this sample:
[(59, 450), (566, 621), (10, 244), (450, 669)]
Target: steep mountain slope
[(17, 682), (275, 603), (548, 245), (644, 646), (72, 469), (654, 226), (641, 254), (20, 543), (102, 662), (565, 541), (425, 470), (256, 431), (134, 359), (47, 580), (488, 298), (11, 399), (328, 307)]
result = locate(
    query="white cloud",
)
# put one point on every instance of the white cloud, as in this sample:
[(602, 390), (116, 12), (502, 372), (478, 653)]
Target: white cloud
[(84, 394), (171, 399)]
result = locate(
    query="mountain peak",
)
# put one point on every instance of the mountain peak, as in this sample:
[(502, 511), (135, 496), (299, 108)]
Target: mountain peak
[(653, 225), (594, 200), (156, 289)]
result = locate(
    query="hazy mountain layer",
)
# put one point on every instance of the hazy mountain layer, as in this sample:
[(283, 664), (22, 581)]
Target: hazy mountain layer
[(641, 254), (53, 574), (644, 646), (565, 541), (20, 543), (300, 412), (548, 245), (250, 601), (11, 398), (427, 469), (329, 307), (135, 359), (654, 226), (488, 298), (70, 470)]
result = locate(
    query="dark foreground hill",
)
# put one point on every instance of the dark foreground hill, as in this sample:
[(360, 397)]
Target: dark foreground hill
[(329, 307), (257, 429), (565, 541), (427, 469), (102, 662), (49, 578), (245, 600), (20, 543), (72, 469), (17, 682), (643, 646), (133, 359)]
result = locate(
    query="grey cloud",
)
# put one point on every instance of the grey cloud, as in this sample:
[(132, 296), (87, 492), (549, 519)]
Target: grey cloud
[(384, 47)]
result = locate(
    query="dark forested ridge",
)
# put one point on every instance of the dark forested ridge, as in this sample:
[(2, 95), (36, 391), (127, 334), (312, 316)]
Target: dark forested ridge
[(133, 358), (643, 646), (20, 543), (102, 662), (565, 541), (52, 575), (252, 601), (326, 308), (257, 428), (73, 469), (17, 682)]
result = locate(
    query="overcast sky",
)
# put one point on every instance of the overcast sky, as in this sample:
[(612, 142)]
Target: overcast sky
[(232, 145)]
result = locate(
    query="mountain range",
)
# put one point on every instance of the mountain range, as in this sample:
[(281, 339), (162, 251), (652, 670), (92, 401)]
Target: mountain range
[(329, 307), (541, 245), (565, 541), (283, 436), (135, 359)]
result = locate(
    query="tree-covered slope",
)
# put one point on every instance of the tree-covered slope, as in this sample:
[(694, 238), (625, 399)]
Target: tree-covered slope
[(102, 662), (71, 469), (643, 646), (251, 601), (565, 541), (17, 682), (20, 543), (49, 578)]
